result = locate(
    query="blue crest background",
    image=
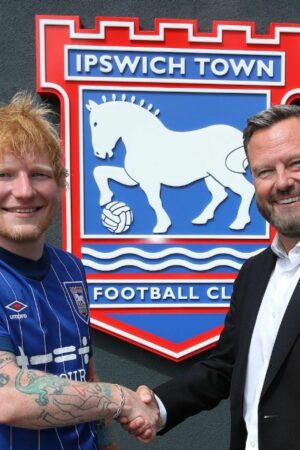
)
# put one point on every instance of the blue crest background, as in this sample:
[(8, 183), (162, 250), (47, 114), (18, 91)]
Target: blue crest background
[(179, 111)]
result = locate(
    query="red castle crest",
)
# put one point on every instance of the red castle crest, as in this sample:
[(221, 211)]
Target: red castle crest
[(160, 206)]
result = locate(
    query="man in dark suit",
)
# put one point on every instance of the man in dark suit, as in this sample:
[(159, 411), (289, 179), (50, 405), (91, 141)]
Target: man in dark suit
[(257, 359)]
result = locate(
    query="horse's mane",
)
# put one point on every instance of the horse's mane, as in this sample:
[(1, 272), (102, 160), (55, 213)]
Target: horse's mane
[(142, 102)]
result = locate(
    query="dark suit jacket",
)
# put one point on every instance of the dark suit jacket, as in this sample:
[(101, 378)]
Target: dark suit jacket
[(223, 373)]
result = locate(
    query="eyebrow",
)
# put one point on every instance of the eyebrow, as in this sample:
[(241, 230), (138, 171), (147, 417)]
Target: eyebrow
[(44, 167)]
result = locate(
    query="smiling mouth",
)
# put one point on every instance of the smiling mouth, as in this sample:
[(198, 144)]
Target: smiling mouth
[(22, 210), (288, 201)]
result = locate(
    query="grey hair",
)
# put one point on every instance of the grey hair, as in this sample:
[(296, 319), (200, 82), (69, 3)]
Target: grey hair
[(267, 118)]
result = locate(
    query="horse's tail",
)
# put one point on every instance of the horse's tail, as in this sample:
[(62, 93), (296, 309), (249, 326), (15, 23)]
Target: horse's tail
[(236, 160)]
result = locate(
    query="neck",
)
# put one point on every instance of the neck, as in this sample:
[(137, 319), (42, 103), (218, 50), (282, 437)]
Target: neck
[(288, 242), (31, 250)]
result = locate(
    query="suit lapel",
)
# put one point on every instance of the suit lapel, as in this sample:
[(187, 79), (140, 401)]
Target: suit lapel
[(256, 291), (256, 286), (288, 332)]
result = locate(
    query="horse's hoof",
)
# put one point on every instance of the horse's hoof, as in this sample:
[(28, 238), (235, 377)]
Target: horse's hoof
[(105, 201), (202, 220), (237, 225), (160, 229)]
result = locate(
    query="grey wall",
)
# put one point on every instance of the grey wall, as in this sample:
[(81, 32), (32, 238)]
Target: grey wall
[(118, 361)]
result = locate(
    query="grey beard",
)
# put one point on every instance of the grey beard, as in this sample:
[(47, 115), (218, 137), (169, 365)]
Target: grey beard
[(288, 228)]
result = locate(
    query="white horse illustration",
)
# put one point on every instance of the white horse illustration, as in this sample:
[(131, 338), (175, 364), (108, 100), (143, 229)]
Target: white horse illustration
[(156, 155)]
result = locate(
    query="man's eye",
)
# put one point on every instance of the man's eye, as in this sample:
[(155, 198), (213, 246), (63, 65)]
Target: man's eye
[(40, 175), (296, 163), (263, 173)]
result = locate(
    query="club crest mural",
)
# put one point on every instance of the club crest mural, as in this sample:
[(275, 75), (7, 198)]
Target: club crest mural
[(160, 205)]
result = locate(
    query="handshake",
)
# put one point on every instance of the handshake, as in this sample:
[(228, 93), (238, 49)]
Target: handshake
[(140, 415)]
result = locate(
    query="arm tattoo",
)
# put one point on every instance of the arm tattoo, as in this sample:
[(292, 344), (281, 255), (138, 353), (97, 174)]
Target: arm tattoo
[(4, 379), (65, 403), (28, 382)]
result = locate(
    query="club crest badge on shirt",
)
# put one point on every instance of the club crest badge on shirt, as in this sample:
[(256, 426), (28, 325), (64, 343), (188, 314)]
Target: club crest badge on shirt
[(78, 298)]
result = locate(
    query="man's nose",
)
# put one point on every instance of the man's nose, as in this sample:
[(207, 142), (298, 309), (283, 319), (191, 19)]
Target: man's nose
[(284, 179), (22, 186)]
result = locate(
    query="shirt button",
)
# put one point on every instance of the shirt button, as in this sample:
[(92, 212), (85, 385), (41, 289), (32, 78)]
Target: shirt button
[(253, 444), (274, 314)]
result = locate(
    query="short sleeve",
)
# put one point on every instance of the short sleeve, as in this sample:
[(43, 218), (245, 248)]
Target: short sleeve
[(6, 344)]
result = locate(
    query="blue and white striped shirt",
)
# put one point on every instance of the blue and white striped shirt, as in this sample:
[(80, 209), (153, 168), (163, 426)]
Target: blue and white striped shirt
[(44, 317)]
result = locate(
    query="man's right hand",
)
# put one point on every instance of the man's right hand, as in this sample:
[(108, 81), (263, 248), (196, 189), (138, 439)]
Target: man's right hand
[(139, 426)]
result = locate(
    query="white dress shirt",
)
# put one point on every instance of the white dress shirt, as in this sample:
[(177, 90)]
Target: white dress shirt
[(275, 301)]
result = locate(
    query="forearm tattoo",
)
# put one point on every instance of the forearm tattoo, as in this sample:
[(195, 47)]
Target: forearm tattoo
[(4, 379), (28, 382), (5, 358), (64, 402)]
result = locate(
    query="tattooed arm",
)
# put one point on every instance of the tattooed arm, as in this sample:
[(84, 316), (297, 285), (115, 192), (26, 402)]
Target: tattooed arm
[(106, 438), (37, 400)]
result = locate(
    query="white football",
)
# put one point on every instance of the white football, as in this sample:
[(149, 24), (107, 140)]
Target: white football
[(117, 217)]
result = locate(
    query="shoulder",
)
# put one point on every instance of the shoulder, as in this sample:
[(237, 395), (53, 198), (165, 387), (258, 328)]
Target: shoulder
[(59, 252), (258, 266), (60, 256), (263, 257)]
